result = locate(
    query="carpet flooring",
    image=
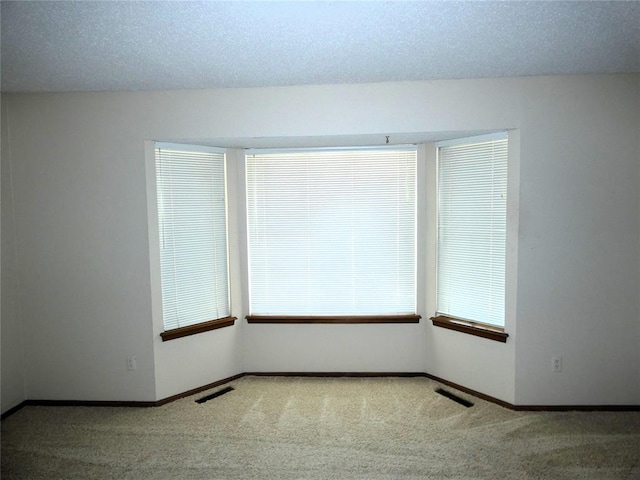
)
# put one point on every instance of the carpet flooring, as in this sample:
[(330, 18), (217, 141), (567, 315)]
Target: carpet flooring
[(320, 428)]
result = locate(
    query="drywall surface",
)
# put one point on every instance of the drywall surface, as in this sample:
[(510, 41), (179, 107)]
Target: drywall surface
[(11, 328), (80, 220), (334, 348), (87, 271), (577, 284)]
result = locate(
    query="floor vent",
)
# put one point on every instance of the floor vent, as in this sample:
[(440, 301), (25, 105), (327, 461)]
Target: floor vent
[(214, 395), (455, 398)]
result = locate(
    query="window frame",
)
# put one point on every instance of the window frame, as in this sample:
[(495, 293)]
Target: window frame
[(154, 241), (491, 332), (413, 317)]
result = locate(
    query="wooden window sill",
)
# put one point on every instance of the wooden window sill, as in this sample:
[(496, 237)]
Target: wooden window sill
[(197, 328), (471, 328), (334, 319)]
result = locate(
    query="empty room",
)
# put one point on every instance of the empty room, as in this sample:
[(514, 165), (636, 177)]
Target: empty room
[(317, 240)]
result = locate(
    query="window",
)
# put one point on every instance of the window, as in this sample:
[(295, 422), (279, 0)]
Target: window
[(332, 233), (471, 238), (192, 222)]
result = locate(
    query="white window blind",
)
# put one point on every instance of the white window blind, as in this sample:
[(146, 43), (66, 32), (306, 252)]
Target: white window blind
[(332, 232), (472, 199), (193, 234)]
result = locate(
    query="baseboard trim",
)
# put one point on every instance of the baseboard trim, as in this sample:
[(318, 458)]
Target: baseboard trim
[(576, 408), (13, 410), (116, 403), (193, 391), (88, 403), (336, 374), (536, 408), (469, 391), (75, 403)]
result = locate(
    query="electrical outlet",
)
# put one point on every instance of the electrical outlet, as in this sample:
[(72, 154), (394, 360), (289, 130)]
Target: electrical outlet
[(132, 364), (556, 364)]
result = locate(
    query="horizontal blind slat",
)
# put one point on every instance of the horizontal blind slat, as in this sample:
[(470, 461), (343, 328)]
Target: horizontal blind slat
[(332, 232), (193, 237), (472, 192)]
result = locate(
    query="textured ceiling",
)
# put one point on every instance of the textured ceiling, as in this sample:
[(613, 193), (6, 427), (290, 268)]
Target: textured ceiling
[(87, 46)]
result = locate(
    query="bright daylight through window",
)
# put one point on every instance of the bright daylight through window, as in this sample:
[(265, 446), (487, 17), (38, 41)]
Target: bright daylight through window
[(192, 212), (331, 235), (472, 218), (332, 232)]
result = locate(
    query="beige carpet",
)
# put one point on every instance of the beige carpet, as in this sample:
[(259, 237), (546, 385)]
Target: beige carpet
[(319, 428)]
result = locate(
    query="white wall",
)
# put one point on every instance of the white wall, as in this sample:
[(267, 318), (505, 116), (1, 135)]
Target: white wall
[(82, 226), (11, 328), (577, 282), (334, 348)]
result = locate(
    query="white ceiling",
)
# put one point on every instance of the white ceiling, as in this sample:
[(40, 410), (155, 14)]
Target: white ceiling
[(129, 45)]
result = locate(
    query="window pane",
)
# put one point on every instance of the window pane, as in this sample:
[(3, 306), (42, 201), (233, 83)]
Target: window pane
[(332, 232), (472, 199), (193, 236)]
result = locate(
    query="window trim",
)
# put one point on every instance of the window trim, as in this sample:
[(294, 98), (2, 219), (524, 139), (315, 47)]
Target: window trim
[(489, 332), (334, 319), (197, 328), (443, 319), (349, 318), (153, 222), (511, 258)]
